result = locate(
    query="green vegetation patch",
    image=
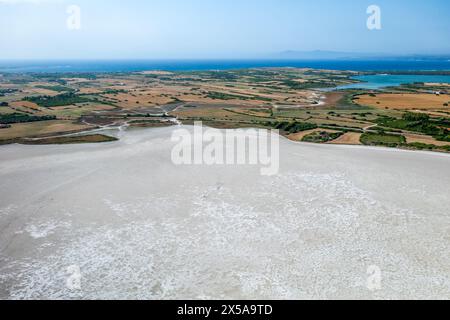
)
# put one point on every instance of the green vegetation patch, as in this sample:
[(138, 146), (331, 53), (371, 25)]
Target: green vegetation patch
[(114, 91), (57, 77), (294, 127), (322, 137), (4, 92), (59, 100), (22, 118), (297, 85), (226, 96), (347, 102), (380, 139), (424, 146), (56, 88), (418, 122)]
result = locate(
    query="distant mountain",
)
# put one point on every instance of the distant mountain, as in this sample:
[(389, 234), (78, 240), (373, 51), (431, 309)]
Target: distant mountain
[(335, 55)]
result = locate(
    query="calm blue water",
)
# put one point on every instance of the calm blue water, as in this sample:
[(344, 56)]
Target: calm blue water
[(382, 81), (191, 65)]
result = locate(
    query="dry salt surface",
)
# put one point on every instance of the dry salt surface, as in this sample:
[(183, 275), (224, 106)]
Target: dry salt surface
[(139, 227)]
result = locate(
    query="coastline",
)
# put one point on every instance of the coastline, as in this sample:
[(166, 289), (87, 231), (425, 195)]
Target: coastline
[(85, 137)]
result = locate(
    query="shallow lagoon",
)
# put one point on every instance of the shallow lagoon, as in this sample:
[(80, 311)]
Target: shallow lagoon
[(380, 81)]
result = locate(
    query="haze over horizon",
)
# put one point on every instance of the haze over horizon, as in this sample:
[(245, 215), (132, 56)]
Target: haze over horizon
[(201, 29)]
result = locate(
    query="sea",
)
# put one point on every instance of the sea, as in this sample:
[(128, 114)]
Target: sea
[(377, 81), (61, 66)]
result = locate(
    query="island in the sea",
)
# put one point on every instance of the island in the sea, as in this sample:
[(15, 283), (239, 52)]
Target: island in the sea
[(410, 110)]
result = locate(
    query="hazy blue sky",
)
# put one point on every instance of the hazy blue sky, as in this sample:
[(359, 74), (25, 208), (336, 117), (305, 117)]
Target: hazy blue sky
[(119, 29)]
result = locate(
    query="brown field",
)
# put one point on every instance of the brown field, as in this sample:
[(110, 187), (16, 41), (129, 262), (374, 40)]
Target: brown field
[(405, 101), (41, 92), (410, 138), (73, 112), (156, 94), (205, 112), (129, 101), (24, 105), (7, 110), (90, 90), (350, 138), (40, 128), (332, 98)]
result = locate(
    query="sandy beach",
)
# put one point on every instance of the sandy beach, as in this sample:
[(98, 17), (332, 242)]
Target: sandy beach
[(139, 227)]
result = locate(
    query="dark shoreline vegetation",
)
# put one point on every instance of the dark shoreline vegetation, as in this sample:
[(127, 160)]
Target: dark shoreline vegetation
[(322, 136), (382, 139), (82, 139), (397, 141), (150, 123)]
